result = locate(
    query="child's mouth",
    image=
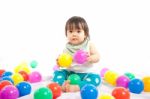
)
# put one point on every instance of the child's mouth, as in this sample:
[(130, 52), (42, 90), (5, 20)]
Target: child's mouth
[(74, 39)]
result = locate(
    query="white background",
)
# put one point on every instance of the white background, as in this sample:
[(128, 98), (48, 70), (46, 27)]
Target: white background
[(34, 30)]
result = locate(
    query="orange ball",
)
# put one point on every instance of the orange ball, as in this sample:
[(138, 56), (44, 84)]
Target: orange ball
[(121, 93), (24, 75), (56, 89), (1, 72)]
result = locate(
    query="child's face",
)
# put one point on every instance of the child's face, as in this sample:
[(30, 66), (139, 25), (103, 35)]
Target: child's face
[(76, 36)]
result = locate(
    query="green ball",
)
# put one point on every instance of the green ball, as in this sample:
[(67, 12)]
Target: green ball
[(33, 64), (43, 93), (130, 75), (74, 79)]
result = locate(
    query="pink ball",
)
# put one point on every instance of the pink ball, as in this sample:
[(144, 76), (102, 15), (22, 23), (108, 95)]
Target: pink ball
[(103, 71), (80, 56), (9, 92), (55, 68), (35, 77), (122, 81)]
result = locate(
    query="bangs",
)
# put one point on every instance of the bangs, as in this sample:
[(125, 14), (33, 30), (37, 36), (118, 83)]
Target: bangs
[(74, 26)]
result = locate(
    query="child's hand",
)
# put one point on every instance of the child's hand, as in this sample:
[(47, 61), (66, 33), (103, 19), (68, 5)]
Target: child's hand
[(93, 59), (90, 59), (57, 61)]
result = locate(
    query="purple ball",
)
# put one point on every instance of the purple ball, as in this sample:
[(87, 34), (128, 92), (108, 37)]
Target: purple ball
[(103, 71), (9, 92), (35, 77), (122, 81), (80, 56)]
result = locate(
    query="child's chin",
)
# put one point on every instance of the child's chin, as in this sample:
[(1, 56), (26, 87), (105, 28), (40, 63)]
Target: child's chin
[(74, 43)]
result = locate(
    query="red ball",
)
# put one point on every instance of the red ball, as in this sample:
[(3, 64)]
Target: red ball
[(1, 72), (24, 75), (121, 93), (4, 83), (55, 88)]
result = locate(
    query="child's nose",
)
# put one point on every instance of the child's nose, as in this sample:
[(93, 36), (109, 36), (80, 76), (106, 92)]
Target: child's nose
[(74, 33)]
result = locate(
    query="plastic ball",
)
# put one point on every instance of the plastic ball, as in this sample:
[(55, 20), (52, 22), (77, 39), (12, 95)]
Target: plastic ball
[(89, 91), (9, 92), (24, 75), (55, 68), (17, 68), (106, 96), (34, 64), (56, 89), (146, 81), (20, 67), (26, 69), (103, 71), (111, 77), (130, 75), (17, 78), (8, 79), (7, 73), (60, 78), (24, 88), (121, 93), (136, 86), (122, 81), (65, 60), (80, 56), (43, 93), (74, 79), (4, 83), (1, 72), (35, 77)]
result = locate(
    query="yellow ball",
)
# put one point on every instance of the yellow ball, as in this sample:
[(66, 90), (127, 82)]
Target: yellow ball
[(146, 81), (17, 78), (111, 77), (26, 69), (17, 68), (20, 67), (65, 60), (106, 96)]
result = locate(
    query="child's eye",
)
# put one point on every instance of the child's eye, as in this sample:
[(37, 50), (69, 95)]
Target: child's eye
[(78, 31), (70, 31)]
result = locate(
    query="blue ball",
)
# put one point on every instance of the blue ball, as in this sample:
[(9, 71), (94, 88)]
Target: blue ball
[(89, 91), (24, 88), (59, 77), (136, 86), (7, 78), (7, 73)]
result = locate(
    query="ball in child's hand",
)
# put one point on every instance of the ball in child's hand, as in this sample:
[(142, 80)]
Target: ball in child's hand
[(65, 60), (80, 56)]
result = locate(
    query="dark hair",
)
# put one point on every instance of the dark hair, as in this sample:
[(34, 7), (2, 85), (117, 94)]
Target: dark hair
[(77, 22)]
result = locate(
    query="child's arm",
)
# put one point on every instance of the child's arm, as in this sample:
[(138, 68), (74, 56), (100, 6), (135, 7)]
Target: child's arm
[(94, 56)]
